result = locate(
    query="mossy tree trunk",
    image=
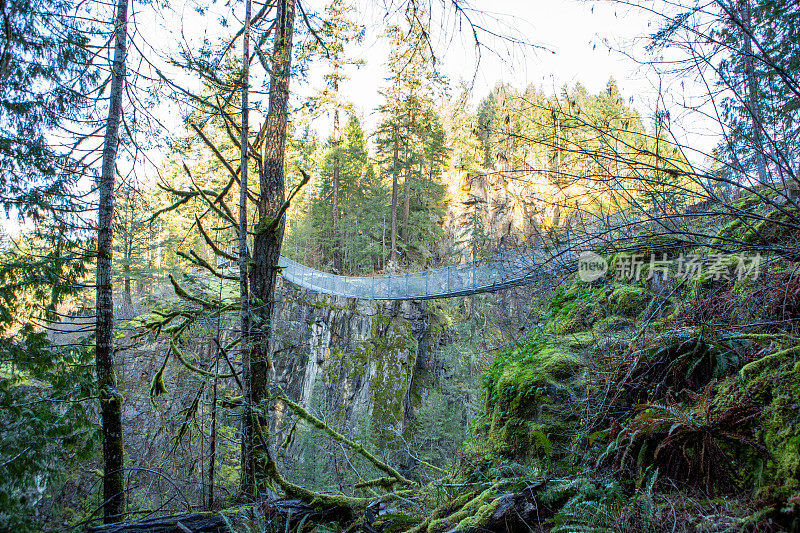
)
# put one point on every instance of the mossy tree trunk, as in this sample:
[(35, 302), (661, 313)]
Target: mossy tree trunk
[(247, 482), (269, 232), (110, 399), (395, 171)]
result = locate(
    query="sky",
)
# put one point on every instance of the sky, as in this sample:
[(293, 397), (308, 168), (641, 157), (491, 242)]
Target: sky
[(570, 44), (571, 41)]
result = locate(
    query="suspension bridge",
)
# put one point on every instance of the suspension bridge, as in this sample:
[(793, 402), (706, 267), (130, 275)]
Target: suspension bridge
[(509, 268)]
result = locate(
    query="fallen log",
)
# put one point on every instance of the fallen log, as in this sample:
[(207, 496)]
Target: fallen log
[(193, 523), (278, 510)]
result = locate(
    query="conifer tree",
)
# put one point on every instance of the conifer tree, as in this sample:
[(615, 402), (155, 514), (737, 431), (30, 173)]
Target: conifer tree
[(47, 75), (410, 139), (338, 31), (110, 398), (362, 200)]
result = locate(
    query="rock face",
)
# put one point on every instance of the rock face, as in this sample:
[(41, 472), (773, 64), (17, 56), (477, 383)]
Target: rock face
[(359, 357), (509, 208)]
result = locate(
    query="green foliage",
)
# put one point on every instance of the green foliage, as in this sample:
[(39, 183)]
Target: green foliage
[(690, 443), (43, 386), (363, 201), (47, 71), (410, 140), (773, 76), (628, 300), (583, 505), (775, 387), (682, 359), (587, 505), (527, 394)]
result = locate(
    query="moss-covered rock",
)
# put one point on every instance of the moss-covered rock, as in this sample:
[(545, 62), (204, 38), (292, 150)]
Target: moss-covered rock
[(581, 317), (610, 324), (527, 394), (628, 300), (775, 388)]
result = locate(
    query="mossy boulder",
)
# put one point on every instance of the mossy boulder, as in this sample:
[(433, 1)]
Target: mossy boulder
[(528, 392), (580, 317), (612, 324), (628, 300), (775, 388), (577, 341)]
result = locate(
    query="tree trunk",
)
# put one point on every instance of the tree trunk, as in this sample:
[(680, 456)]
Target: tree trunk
[(126, 268), (248, 476), (394, 206), (110, 399), (337, 259), (269, 232), (407, 180), (752, 92), (128, 248), (212, 445), (406, 203)]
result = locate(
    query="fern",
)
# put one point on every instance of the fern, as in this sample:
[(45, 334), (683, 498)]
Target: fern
[(688, 443)]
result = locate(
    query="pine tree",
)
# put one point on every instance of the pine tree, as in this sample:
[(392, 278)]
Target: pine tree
[(110, 398), (338, 31), (410, 140)]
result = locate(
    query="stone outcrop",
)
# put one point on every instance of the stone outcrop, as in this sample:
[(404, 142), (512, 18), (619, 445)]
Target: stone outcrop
[(359, 357)]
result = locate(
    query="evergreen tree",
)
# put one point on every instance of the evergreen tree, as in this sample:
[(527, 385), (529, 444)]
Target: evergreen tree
[(410, 139), (362, 201), (110, 398), (338, 31), (43, 386), (47, 77)]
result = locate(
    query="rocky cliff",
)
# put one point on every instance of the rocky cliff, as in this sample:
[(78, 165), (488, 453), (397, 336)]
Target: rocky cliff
[(365, 357)]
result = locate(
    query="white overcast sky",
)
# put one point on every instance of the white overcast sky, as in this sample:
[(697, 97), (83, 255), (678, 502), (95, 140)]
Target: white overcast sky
[(574, 36), (583, 42)]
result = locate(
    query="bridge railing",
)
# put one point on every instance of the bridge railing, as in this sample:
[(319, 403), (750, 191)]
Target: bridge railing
[(504, 269)]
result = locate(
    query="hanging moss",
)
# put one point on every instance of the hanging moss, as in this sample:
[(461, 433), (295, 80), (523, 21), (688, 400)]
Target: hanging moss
[(157, 387), (319, 424), (182, 358), (481, 516)]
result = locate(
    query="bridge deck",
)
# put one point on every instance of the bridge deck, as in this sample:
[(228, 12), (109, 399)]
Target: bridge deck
[(500, 271)]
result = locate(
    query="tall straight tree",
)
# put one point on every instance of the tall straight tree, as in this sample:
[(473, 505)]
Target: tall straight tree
[(751, 91), (268, 234), (337, 31), (110, 399), (406, 129), (248, 475)]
